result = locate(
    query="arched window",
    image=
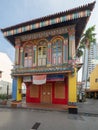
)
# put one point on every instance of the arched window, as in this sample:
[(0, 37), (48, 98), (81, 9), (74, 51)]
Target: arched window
[(42, 53), (57, 51), (28, 56)]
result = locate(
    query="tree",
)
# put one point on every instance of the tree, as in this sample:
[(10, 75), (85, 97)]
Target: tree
[(87, 39)]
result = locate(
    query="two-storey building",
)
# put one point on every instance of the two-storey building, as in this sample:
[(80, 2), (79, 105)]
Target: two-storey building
[(45, 56)]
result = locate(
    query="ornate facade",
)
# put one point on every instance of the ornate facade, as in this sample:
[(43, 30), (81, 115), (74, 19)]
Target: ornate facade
[(45, 58)]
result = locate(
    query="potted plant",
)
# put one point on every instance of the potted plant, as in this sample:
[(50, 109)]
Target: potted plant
[(3, 99)]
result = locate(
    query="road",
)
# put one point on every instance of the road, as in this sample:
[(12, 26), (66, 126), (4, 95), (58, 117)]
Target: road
[(21, 119)]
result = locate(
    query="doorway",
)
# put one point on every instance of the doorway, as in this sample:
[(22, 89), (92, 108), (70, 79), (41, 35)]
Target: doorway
[(46, 93)]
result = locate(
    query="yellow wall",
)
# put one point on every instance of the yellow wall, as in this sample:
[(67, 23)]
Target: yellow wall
[(72, 88), (19, 89), (93, 76)]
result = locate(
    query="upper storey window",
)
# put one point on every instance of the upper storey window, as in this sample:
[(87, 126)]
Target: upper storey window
[(53, 52), (28, 54), (42, 53), (57, 51)]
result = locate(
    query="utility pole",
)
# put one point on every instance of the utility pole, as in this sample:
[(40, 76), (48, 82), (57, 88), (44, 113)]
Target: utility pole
[(7, 91)]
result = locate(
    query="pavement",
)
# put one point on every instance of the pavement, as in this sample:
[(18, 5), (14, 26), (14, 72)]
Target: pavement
[(49, 117), (90, 106), (25, 119)]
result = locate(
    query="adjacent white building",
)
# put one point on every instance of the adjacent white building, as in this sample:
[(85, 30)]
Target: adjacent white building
[(92, 55), (5, 79), (89, 56)]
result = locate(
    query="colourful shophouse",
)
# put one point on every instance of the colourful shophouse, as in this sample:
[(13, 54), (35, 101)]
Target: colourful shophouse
[(93, 91), (45, 56)]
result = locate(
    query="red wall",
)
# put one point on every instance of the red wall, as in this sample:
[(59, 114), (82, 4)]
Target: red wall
[(54, 100), (58, 100), (31, 99)]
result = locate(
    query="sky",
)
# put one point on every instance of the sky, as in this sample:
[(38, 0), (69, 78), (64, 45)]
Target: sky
[(13, 12)]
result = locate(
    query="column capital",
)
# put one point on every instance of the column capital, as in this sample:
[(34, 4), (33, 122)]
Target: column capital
[(21, 49), (17, 42), (71, 31)]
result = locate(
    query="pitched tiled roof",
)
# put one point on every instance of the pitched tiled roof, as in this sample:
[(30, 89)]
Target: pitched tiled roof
[(89, 6), (77, 16)]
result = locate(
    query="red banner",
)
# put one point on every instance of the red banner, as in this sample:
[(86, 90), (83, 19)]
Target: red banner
[(39, 79)]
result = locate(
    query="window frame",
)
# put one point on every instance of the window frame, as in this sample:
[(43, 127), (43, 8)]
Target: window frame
[(42, 44), (28, 50), (56, 53)]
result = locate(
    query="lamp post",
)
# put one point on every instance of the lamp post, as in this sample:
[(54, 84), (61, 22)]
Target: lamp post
[(7, 91), (0, 74)]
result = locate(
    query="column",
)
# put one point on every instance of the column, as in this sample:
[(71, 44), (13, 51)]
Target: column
[(49, 54), (21, 57), (72, 92), (19, 89), (17, 47), (34, 55), (14, 88), (72, 44), (71, 32), (65, 51)]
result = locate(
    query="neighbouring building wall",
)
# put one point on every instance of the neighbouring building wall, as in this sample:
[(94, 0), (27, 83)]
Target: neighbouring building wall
[(89, 55), (5, 67), (88, 66), (4, 86), (94, 79)]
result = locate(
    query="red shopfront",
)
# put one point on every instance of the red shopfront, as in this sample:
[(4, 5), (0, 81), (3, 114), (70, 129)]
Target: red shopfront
[(54, 91)]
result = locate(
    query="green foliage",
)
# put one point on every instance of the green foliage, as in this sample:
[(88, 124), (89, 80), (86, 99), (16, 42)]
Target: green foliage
[(3, 96), (87, 39), (79, 52)]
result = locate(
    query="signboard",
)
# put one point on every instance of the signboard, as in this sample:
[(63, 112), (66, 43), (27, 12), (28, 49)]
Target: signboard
[(27, 79), (39, 79), (55, 77)]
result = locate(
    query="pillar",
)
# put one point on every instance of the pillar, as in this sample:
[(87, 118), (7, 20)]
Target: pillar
[(65, 50), (49, 51), (71, 32), (19, 89), (72, 92), (34, 55), (17, 51), (21, 57), (14, 88)]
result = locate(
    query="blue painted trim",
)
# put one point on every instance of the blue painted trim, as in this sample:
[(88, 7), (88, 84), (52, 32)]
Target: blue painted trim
[(14, 89)]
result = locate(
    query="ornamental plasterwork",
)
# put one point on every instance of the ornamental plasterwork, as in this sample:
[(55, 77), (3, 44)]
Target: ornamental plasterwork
[(71, 31), (47, 33), (17, 42)]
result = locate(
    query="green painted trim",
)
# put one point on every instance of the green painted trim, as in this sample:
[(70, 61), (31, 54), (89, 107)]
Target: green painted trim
[(33, 26), (63, 18), (53, 21)]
